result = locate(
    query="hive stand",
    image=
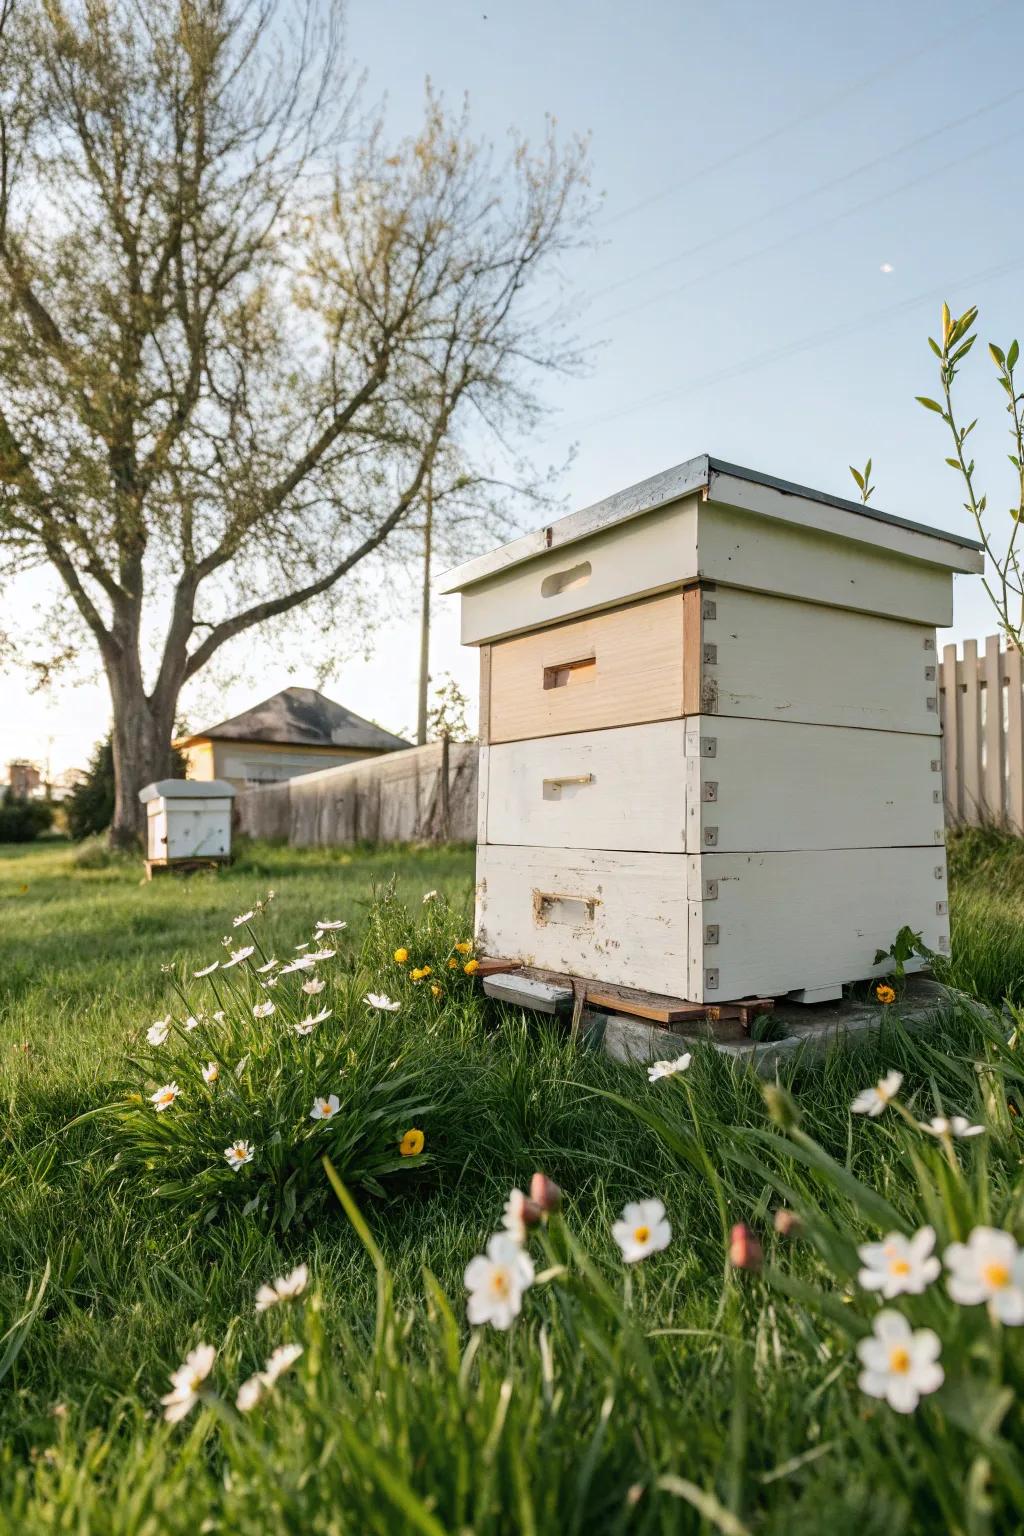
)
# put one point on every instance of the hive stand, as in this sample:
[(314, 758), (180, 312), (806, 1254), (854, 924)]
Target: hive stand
[(710, 759)]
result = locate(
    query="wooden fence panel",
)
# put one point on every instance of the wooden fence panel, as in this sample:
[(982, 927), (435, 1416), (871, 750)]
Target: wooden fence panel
[(981, 702)]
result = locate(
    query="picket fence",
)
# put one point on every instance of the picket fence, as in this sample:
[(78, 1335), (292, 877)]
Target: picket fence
[(981, 705)]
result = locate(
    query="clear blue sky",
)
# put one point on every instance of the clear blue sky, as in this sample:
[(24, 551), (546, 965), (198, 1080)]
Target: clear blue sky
[(760, 166)]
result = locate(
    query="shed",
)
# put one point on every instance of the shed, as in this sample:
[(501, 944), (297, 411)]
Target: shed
[(711, 764), (295, 731), (187, 819)]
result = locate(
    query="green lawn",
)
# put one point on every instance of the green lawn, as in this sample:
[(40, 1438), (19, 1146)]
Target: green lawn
[(676, 1394)]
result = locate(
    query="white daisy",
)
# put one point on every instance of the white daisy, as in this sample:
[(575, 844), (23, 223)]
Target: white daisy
[(239, 1153), (642, 1230), (263, 969), (304, 945), (429, 896), (187, 1381), (218, 1017), (263, 1010), (284, 1288), (323, 926), (307, 1026), (192, 1023), (321, 954), (989, 1267), (237, 956), (157, 1033), (246, 917), (872, 1101), (325, 1109), (282, 1359), (496, 1282), (313, 986), (211, 1072), (303, 963), (207, 970), (900, 1363), (165, 1096), (659, 1069), (899, 1265), (249, 1393), (956, 1125), (382, 1001), (520, 1212)]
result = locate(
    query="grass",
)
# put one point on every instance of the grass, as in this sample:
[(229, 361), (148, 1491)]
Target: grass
[(679, 1395)]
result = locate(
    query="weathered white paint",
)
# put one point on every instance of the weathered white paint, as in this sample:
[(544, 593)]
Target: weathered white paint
[(769, 923), (186, 819), (776, 659)]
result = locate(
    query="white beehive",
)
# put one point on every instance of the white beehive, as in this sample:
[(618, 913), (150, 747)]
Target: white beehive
[(710, 758), (187, 819)]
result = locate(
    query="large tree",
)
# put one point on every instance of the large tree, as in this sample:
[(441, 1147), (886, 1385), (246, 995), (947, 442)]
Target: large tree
[(239, 332)]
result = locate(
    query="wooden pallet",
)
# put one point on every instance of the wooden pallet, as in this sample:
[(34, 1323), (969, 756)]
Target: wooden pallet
[(561, 991), (185, 866)]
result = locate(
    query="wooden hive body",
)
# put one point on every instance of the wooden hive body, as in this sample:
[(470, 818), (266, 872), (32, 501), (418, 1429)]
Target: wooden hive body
[(710, 754)]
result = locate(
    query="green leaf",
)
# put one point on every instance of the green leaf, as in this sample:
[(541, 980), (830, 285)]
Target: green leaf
[(1012, 355), (930, 405), (997, 354), (857, 476)]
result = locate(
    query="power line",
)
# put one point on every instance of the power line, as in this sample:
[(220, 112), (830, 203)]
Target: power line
[(802, 197), (804, 344), (820, 110)]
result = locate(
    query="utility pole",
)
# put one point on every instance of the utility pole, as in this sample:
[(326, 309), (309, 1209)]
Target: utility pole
[(428, 528)]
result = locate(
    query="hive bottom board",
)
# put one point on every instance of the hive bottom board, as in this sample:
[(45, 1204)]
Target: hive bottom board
[(708, 927)]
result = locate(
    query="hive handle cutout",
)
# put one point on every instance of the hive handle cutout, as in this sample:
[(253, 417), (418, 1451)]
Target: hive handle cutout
[(576, 911), (552, 788), (564, 581), (571, 673)]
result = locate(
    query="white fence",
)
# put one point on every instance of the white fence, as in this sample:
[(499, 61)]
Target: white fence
[(425, 794), (981, 703)]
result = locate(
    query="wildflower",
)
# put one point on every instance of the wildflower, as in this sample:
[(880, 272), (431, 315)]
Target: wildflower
[(249, 1393), (496, 1282), (304, 945), (211, 1072), (411, 1144), (307, 1026), (899, 1265), (989, 1267), (520, 1212), (284, 1288), (263, 1010), (280, 1361), (157, 1033), (401, 956), (787, 1223), (320, 954), (429, 896), (186, 1382), (325, 1109), (885, 993), (313, 986), (872, 1101), (471, 967), (436, 990), (303, 963), (218, 1017), (382, 1001), (263, 969), (642, 1230), (900, 1363), (545, 1193), (956, 1125), (239, 1153), (453, 963), (465, 948), (323, 926), (419, 973), (745, 1251), (165, 1096), (237, 956), (246, 917), (207, 971), (659, 1069)]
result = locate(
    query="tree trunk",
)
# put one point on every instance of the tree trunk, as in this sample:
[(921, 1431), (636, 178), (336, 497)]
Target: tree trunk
[(142, 753)]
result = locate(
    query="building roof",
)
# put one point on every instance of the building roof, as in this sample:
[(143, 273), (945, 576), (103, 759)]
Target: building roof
[(301, 717), (717, 479)]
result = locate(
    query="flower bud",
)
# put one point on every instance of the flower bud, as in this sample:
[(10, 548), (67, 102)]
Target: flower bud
[(788, 1223), (745, 1252), (545, 1193)]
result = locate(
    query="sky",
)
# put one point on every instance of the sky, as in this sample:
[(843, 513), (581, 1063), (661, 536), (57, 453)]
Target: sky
[(788, 194)]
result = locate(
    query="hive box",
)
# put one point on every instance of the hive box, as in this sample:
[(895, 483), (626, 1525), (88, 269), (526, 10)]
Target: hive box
[(710, 757), (187, 819)]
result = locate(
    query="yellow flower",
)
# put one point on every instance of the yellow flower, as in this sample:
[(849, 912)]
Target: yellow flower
[(411, 1144), (420, 972), (452, 963), (465, 948), (885, 993), (471, 966), (437, 991), (401, 956)]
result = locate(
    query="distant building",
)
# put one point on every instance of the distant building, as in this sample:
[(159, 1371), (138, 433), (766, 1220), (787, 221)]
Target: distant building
[(65, 782), (296, 731), (23, 779)]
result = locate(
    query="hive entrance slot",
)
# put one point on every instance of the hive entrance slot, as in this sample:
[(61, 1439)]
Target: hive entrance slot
[(571, 673), (565, 581), (577, 911)]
